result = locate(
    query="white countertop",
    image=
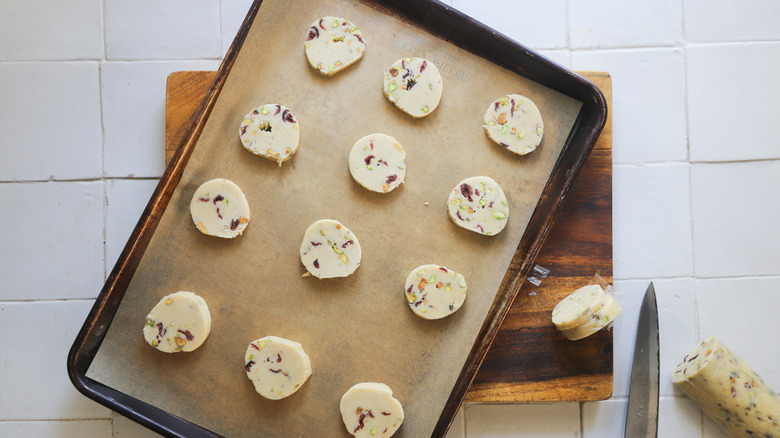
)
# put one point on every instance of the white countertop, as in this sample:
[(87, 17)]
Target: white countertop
[(696, 180)]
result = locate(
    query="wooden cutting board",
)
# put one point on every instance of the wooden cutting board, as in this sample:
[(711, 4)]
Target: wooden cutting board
[(528, 360)]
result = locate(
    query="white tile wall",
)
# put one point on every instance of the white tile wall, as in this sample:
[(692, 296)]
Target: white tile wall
[(694, 183), (38, 335)]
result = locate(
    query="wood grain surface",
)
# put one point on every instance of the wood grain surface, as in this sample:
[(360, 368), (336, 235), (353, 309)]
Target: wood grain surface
[(528, 360)]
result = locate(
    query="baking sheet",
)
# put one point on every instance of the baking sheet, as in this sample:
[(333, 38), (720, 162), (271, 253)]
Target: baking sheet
[(354, 329)]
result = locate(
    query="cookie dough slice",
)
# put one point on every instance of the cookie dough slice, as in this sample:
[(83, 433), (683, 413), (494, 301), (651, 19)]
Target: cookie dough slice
[(276, 366), (514, 122), (219, 208), (729, 391), (181, 321), (579, 307), (270, 131), (434, 291), (378, 163), (329, 249), (370, 410), (478, 204), (414, 85), (333, 44), (597, 321)]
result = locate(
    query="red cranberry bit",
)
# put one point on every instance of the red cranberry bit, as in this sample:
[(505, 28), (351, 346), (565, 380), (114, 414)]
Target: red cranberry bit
[(357, 35), (480, 228), (288, 117), (255, 112), (243, 129), (278, 108), (497, 105), (218, 198), (490, 205), (370, 414), (278, 371), (385, 413), (476, 192), (360, 422), (313, 243), (254, 346), (512, 109), (187, 334), (248, 365), (372, 145), (451, 308), (403, 63), (368, 159), (417, 304), (218, 213), (406, 73), (466, 191), (278, 357), (234, 224), (391, 178), (160, 330), (381, 161), (733, 392), (316, 263), (422, 67), (204, 199), (504, 145), (313, 33), (443, 269), (323, 27), (385, 431), (410, 289), (457, 213), (348, 242)]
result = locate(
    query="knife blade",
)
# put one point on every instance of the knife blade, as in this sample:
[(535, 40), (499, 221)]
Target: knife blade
[(642, 413)]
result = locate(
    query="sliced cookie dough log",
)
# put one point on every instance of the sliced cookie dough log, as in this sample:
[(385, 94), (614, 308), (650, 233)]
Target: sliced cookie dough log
[(434, 291), (729, 391), (181, 321), (333, 44), (270, 131), (219, 208), (329, 249), (599, 320), (514, 122), (276, 366), (579, 307), (478, 204), (370, 410), (414, 85), (378, 163)]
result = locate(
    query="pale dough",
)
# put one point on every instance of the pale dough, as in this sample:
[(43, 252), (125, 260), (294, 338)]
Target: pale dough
[(333, 44), (514, 122), (434, 291), (414, 85), (478, 204), (577, 308), (181, 321), (369, 410), (329, 249), (219, 208), (597, 321), (378, 163), (270, 131), (276, 366)]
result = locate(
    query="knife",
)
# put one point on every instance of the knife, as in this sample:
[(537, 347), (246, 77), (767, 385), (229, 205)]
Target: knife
[(642, 413)]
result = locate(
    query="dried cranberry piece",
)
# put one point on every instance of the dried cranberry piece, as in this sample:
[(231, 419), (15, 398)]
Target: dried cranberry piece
[(368, 159), (313, 243), (476, 192), (497, 105), (204, 199), (381, 161), (313, 33), (466, 191), (357, 35), (480, 228), (443, 269), (504, 145), (422, 67), (321, 24), (370, 414), (288, 117), (248, 365), (234, 224), (348, 242), (458, 215), (391, 178), (254, 111), (219, 214), (385, 413), (278, 108), (316, 263), (406, 73), (218, 198), (360, 423), (278, 357), (410, 289), (160, 330), (187, 334), (490, 205), (410, 83), (243, 129), (512, 109), (254, 346)]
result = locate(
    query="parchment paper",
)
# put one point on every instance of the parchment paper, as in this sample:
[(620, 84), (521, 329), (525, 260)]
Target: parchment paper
[(354, 329)]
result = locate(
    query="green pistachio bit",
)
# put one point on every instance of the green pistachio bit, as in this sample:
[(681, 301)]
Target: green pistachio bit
[(503, 203), (520, 135), (264, 111), (370, 167), (335, 23), (306, 45), (432, 279), (539, 130), (353, 30), (402, 167), (331, 67), (504, 129), (391, 86), (499, 215), (373, 431), (411, 298), (462, 282), (424, 109), (482, 202), (225, 201), (336, 249), (424, 310), (339, 38), (430, 86), (488, 233), (149, 322)]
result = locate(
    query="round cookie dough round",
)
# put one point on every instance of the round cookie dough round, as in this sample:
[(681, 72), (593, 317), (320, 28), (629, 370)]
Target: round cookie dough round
[(270, 131), (434, 291), (370, 410), (276, 366), (333, 44), (329, 249), (219, 208), (578, 307), (378, 163), (514, 122), (181, 321), (478, 204), (414, 85)]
